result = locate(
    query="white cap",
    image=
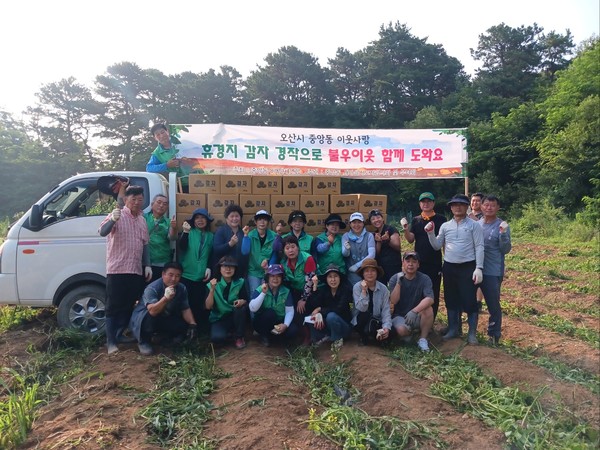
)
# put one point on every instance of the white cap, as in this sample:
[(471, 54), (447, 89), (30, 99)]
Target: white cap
[(357, 216), (262, 212)]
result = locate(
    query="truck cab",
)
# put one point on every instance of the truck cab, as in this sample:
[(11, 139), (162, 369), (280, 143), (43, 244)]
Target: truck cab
[(54, 256)]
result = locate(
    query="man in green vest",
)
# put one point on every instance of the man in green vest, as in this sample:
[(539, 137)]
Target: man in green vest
[(164, 158), (162, 231)]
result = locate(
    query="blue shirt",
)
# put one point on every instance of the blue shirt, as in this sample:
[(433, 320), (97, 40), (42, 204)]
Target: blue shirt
[(496, 246)]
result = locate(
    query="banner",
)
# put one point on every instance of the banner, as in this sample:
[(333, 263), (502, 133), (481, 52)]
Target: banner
[(349, 153)]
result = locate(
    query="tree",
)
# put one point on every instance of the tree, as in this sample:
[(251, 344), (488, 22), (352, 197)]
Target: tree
[(291, 90), (63, 120)]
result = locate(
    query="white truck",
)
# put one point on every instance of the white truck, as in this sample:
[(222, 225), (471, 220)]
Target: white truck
[(54, 256)]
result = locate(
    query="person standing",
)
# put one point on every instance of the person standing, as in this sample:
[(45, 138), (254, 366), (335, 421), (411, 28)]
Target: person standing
[(164, 308), (462, 241), (496, 239), (195, 250), (387, 246), (357, 246), (229, 238), (127, 263), (430, 262), (296, 221), (329, 245), (475, 206), (257, 244), (161, 231)]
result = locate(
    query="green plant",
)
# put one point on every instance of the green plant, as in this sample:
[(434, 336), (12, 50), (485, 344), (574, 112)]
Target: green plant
[(12, 316)]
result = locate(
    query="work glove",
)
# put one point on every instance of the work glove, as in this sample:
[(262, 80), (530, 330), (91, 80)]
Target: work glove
[(148, 273), (186, 227), (191, 333), (404, 222), (410, 319), (477, 276), (429, 227), (347, 245), (170, 292), (115, 215), (503, 226), (318, 317), (207, 274)]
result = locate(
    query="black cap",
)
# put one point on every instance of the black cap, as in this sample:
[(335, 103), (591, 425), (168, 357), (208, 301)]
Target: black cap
[(459, 198)]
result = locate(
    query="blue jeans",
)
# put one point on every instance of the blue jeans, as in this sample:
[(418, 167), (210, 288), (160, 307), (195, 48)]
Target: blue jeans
[(335, 327), (232, 323), (491, 293)]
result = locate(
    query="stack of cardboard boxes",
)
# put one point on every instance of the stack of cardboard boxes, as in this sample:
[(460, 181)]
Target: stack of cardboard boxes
[(316, 196)]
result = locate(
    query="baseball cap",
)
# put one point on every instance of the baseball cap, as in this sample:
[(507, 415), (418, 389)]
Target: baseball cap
[(459, 198), (274, 269), (411, 254), (427, 195), (262, 213), (357, 216), (297, 214), (332, 218)]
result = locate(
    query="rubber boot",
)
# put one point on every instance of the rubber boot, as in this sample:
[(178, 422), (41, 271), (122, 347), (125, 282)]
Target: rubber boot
[(472, 320), (110, 327), (453, 324)]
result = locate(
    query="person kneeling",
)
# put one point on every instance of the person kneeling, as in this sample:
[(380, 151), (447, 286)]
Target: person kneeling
[(411, 300), (227, 303), (372, 317), (273, 308), (164, 308)]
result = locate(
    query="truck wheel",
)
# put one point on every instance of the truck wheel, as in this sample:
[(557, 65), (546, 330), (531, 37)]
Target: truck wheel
[(83, 308)]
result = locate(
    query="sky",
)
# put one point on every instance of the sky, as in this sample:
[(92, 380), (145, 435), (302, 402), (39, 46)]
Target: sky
[(45, 41)]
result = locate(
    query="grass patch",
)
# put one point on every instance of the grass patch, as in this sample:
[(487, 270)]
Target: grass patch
[(180, 406), (13, 316), (344, 424), (518, 414)]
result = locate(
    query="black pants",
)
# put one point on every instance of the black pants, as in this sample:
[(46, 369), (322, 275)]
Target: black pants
[(172, 325), (197, 300), (366, 327), (460, 293), (264, 321)]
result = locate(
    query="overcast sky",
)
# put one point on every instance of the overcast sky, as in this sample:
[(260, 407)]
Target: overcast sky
[(45, 41)]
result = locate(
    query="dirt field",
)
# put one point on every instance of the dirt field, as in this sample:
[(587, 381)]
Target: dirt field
[(101, 411)]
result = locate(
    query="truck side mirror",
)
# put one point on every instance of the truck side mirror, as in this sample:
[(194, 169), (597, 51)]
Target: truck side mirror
[(35, 218)]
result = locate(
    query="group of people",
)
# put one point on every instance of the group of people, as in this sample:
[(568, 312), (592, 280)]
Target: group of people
[(294, 287)]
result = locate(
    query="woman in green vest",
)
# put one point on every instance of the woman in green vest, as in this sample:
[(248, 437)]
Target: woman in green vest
[(227, 303), (273, 308), (329, 245), (195, 250)]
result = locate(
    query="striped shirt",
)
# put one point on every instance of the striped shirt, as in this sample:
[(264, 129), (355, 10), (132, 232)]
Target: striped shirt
[(125, 244)]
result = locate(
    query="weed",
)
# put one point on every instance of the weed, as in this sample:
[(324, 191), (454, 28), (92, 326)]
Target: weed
[(12, 316)]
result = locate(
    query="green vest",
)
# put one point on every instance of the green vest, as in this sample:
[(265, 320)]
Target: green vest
[(166, 154), (331, 256), (258, 253), (159, 245), (195, 259), (277, 304), (224, 306), (296, 279)]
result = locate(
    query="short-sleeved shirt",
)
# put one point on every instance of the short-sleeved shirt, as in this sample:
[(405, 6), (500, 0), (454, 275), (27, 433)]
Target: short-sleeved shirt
[(125, 243), (411, 292)]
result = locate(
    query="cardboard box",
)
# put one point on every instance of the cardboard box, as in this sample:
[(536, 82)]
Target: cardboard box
[(315, 223), (280, 218), (314, 204), (267, 185), (368, 202), (284, 204), (252, 203), (236, 184), (201, 183), (297, 185), (327, 185), (216, 203), (344, 203), (186, 203)]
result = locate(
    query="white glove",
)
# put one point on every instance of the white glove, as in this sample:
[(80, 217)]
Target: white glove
[(347, 245), (115, 214), (503, 226), (477, 276), (429, 227), (186, 227), (403, 222), (148, 273), (318, 320), (170, 292)]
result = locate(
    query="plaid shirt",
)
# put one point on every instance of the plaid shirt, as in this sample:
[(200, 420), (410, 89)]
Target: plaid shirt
[(125, 243)]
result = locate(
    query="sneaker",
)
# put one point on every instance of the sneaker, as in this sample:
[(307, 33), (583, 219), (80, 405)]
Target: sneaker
[(240, 343), (322, 341), (265, 341), (112, 349), (423, 345), (337, 345), (145, 348)]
